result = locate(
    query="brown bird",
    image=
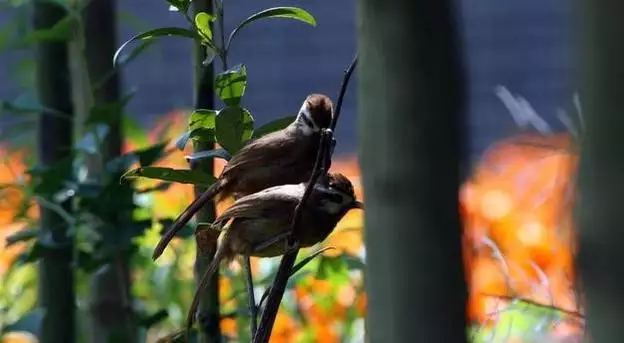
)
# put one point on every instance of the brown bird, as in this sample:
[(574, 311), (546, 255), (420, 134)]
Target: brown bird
[(260, 223), (283, 157)]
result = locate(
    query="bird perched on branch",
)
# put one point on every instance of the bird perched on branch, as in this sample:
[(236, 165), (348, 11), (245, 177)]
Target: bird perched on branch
[(283, 157), (259, 224)]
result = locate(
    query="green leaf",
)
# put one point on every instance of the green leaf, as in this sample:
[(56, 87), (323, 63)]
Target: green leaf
[(47, 180), (161, 187), (108, 112), (218, 153), (88, 262), (31, 322), (353, 262), (521, 317), (275, 12), (230, 85), (121, 238), (126, 59), (333, 269), (87, 189), (133, 131), (194, 177), (27, 103), (210, 56), (153, 34), (308, 259), (186, 231), (234, 127), (36, 251), (275, 125), (21, 236), (60, 32), (202, 21), (145, 157), (202, 126), (149, 321)]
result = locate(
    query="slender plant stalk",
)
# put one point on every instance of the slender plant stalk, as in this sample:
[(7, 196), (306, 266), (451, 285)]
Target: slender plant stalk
[(208, 310), (56, 276)]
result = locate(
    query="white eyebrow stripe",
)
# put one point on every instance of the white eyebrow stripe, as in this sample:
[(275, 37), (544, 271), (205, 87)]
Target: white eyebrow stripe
[(304, 111)]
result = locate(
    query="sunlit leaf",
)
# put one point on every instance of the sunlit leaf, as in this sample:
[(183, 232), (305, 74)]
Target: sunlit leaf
[(234, 127), (523, 320), (202, 21), (194, 177), (275, 125), (230, 85), (133, 131), (333, 269), (275, 12), (153, 34), (202, 126)]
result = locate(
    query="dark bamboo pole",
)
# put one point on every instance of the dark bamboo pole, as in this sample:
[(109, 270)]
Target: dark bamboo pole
[(56, 276), (411, 99), (602, 168)]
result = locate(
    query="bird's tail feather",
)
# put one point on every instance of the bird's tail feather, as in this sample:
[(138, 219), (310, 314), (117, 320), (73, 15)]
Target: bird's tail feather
[(185, 217), (205, 280)]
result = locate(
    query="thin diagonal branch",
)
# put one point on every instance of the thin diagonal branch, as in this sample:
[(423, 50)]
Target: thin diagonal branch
[(323, 160)]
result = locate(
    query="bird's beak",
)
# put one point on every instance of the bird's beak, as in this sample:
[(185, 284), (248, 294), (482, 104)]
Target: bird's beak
[(358, 204)]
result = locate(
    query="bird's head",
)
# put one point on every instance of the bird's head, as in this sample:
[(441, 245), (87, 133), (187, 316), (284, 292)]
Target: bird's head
[(315, 114), (340, 195)]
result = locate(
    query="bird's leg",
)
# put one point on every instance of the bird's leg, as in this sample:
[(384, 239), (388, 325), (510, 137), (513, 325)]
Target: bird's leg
[(253, 309)]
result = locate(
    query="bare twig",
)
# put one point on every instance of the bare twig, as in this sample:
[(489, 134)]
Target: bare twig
[(253, 309), (295, 269), (574, 314), (323, 158)]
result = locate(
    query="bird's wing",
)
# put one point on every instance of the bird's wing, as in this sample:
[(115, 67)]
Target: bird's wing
[(271, 200), (264, 147)]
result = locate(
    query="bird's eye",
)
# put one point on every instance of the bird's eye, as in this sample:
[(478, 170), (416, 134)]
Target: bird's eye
[(334, 197), (306, 120)]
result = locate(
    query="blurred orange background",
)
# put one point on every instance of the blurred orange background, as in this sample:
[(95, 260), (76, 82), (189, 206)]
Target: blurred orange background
[(519, 238)]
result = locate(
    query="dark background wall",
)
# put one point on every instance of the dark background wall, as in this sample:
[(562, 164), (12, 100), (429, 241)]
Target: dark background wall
[(526, 46)]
